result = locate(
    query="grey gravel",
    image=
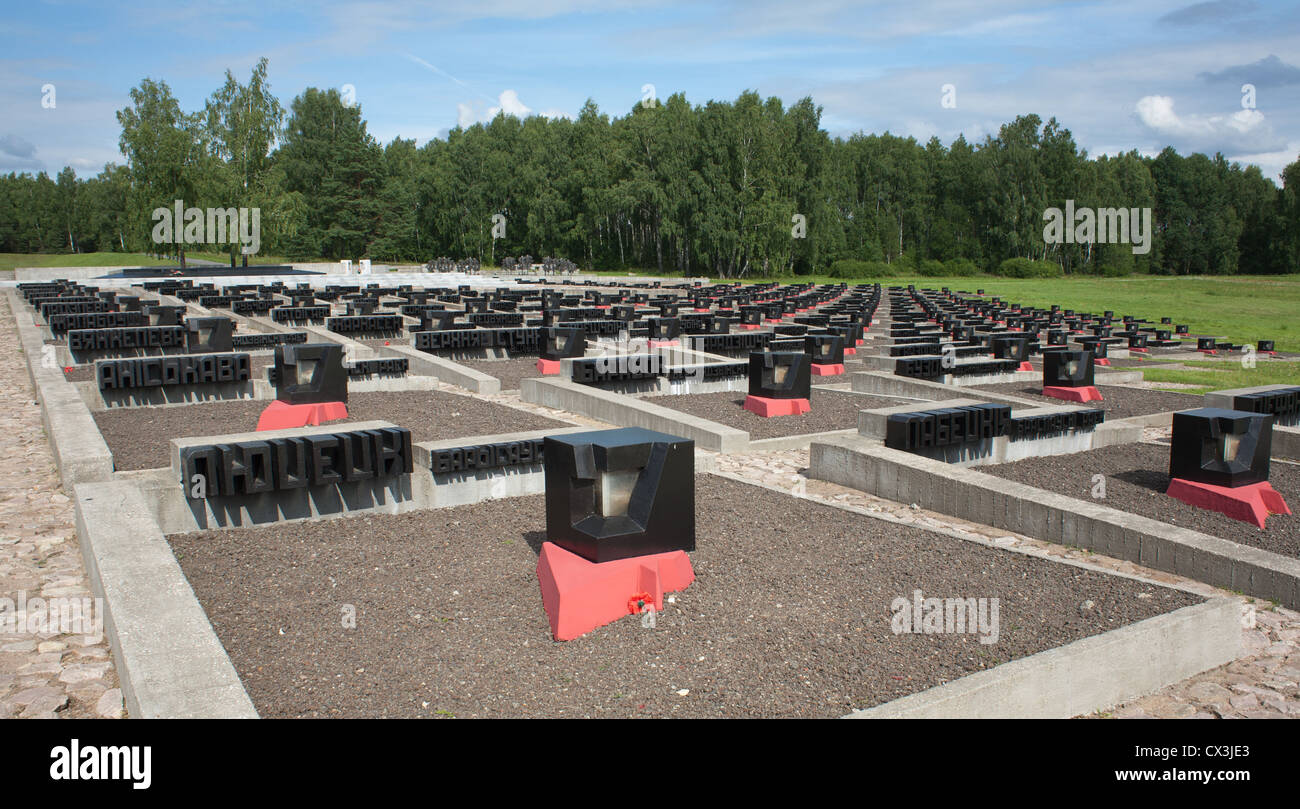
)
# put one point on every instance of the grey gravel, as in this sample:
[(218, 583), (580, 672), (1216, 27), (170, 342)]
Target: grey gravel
[(789, 615)]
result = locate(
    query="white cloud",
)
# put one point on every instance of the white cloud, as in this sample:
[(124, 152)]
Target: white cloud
[(465, 117), (1244, 130), (509, 104)]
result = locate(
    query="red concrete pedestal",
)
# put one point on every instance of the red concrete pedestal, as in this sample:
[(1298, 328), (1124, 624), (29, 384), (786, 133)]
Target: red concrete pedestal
[(282, 416), (1087, 393), (767, 408), (663, 343), (1141, 350), (827, 370), (750, 326), (1026, 366), (548, 367), (1103, 361), (580, 595), (1250, 504), (850, 352)]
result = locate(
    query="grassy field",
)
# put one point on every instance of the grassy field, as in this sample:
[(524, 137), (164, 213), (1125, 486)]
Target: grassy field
[(1224, 374), (9, 261)]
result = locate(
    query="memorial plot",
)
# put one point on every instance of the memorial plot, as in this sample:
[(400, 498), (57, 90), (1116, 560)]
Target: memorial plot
[(209, 334), (1068, 375), (558, 343), (311, 387), (1136, 478), (780, 384), (620, 514), (1219, 460), (826, 352)]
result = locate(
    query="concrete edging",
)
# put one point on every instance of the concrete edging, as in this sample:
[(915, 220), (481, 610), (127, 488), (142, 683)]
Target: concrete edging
[(971, 495), (79, 450), (169, 660), (627, 411), (1087, 675)]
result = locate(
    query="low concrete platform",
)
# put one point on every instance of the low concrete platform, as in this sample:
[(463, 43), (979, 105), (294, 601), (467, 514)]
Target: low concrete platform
[(971, 495), (1088, 675)]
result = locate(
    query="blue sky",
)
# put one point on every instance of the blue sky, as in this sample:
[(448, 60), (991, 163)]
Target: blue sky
[(1119, 74)]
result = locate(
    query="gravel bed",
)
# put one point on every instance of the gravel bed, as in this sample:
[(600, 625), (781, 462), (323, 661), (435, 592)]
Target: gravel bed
[(1137, 476), (831, 410), (449, 620), (511, 372), (383, 342), (852, 365), (140, 437), (1119, 401)]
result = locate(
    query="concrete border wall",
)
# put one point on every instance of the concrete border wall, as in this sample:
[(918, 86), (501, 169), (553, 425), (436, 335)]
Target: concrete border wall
[(971, 495), (169, 661), (1286, 443), (627, 411), (872, 425), (78, 448), (1088, 675)]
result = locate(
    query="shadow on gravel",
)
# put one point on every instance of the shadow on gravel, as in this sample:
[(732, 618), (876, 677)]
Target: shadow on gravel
[(535, 540), (1146, 478)]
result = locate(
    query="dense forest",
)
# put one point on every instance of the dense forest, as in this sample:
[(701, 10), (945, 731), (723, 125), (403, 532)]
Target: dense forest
[(727, 189)]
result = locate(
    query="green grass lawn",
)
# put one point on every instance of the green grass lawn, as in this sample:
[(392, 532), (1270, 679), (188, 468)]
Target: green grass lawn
[(9, 261), (1225, 375)]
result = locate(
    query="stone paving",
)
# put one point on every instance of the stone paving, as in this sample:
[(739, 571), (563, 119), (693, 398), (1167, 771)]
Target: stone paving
[(43, 674)]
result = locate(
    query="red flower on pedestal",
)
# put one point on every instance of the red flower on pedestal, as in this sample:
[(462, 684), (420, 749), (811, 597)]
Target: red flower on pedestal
[(638, 602)]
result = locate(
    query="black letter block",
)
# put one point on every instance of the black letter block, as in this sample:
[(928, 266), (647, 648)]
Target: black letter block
[(1011, 347), (780, 375), (1221, 447), (1067, 369), (310, 373), (825, 349), (203, 334), (618, 494), (563, 343)]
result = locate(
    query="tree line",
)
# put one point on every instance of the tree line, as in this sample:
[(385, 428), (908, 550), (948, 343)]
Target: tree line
[(725, 188)]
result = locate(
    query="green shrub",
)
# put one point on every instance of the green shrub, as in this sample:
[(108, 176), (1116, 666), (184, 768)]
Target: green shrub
[(930, 268), (960, 268), (1029, 268), (853, 268)]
